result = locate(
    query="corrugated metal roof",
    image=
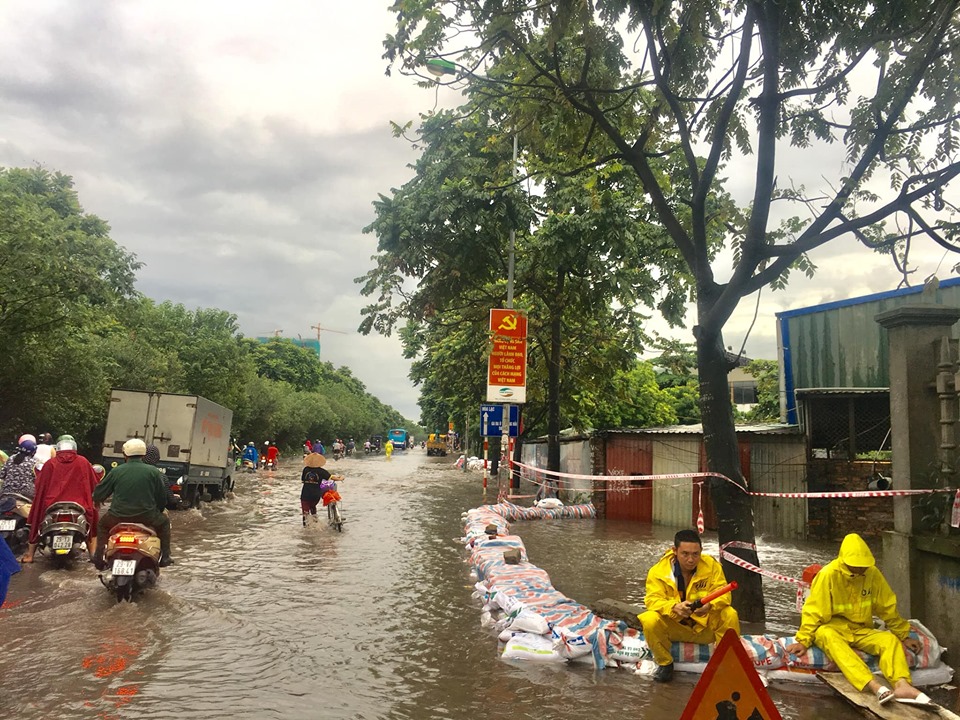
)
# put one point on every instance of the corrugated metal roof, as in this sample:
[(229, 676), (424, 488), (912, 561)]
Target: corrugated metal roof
[(875, 297), (814, 392), (760, 429)]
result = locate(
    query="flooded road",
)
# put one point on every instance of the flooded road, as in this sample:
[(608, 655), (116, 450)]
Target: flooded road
[(261, 618)]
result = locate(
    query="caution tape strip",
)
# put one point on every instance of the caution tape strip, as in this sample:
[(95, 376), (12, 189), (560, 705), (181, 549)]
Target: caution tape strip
[(700, 475), (730, 557)]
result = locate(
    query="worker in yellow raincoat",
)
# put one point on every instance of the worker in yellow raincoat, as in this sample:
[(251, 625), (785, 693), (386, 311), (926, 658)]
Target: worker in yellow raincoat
[(683, 575), (838, 617)]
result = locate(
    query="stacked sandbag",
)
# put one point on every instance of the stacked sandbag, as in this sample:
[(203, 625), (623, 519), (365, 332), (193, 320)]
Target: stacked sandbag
[(926, 666), (533, 619)]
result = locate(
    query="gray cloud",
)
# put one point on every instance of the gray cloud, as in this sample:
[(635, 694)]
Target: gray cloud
[(258, 215)]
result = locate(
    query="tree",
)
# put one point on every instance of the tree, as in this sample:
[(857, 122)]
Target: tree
[(62, 279), (283, 360), (676, 367), (448, 229), (701, 83), (767, 375)]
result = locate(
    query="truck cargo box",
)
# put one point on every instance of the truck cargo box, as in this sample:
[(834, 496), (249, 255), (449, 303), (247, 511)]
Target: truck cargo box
[(191, 432)]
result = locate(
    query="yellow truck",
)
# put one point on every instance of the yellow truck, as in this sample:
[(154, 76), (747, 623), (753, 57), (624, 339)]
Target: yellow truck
[(437, 444)]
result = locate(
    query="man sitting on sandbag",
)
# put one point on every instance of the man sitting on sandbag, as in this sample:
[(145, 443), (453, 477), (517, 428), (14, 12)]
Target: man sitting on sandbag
[(838, 617), (674, 584)]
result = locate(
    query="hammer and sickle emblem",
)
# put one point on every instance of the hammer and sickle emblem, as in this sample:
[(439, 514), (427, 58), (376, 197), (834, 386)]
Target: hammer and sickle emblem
[(509, 322)]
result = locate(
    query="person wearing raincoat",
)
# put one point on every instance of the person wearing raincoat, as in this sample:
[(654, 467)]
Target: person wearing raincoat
[(682, 576), (838, 615)]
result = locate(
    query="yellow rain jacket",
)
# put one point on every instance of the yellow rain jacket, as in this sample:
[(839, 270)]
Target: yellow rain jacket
[(839, 614), (661, 628), (663, 593)]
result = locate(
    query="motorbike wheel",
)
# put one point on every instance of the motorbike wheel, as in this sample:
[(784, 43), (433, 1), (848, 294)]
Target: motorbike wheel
[(335, 517)]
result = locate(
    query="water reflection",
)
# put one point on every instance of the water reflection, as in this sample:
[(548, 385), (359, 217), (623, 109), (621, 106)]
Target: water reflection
[(262, 618)]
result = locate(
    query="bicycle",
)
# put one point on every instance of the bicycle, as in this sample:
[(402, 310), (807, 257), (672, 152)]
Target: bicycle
[(333, 515), (331, 499)]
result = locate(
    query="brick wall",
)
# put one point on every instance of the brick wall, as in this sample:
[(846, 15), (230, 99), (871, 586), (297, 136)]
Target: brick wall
[(834, 518)]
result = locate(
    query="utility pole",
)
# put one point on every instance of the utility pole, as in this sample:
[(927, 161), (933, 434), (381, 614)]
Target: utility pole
[(504, 476)]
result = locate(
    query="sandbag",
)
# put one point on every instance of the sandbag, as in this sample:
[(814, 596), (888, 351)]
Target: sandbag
[(549, 503), (764, 650), (632, 648), (528, 646), (528, 621), (570, 645)]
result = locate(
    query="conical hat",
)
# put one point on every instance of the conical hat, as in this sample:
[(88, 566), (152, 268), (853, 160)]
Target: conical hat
[(314, 460)]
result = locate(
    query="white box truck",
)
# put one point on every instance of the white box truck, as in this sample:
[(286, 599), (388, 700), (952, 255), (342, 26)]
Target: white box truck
[(191, 432)]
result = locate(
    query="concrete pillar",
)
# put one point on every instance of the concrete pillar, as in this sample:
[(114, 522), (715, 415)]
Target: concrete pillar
[(913, 333)]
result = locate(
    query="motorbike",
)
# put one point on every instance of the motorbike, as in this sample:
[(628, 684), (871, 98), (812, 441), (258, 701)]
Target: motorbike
[(63, 530), (133, 560), (249, 466), (269, 465), (337, 454), (14, 511)]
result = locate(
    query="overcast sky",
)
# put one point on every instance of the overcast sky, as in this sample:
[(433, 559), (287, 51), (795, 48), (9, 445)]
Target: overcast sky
[(236, 148)]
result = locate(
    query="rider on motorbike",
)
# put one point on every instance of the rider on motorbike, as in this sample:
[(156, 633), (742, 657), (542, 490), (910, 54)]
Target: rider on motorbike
[(250, 453), (139, 493), (17, 474), (66, 477), (273, 452)]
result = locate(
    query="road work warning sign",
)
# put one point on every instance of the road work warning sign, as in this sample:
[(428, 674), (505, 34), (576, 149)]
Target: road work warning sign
[(730, 688)]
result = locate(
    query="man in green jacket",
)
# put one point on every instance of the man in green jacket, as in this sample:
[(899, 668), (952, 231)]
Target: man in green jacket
[(139, 493)]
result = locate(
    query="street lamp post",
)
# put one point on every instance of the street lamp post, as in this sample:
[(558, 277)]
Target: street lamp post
[(440, 67)]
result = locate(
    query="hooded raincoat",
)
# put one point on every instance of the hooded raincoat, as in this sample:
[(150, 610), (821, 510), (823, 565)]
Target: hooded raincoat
[(661, 628), (838, 616), (67, 476)]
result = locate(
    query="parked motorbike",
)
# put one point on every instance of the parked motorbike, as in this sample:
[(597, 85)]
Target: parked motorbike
[(63, 531), (133, 560), (14, 511)]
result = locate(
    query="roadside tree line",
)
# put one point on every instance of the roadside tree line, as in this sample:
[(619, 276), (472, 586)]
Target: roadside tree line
[(72, 325)]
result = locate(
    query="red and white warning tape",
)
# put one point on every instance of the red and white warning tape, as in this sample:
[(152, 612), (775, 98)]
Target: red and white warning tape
[(701, 475), (730, 557)]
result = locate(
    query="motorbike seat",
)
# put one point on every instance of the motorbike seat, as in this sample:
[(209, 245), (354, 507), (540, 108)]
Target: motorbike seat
[(131, 527)]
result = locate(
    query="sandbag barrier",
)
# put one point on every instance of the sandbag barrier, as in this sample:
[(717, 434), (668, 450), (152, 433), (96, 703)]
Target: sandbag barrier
[(534, 621)]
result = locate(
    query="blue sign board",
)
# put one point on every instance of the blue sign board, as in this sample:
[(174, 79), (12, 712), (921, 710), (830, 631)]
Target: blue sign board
[(491, 420)]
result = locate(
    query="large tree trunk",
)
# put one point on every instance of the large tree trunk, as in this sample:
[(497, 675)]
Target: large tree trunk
[(733, 505)]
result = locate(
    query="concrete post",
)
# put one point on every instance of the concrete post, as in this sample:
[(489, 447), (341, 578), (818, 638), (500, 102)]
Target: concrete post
[(914, 333)]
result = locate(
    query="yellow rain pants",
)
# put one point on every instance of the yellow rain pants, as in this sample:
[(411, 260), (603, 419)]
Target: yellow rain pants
[(661, 630), (838, 640), (838, 615)]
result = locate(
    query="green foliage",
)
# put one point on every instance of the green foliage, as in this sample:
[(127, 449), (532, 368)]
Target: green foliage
[(635, 401), (767, 375), (61, 277), (448, 228), (72, 326)]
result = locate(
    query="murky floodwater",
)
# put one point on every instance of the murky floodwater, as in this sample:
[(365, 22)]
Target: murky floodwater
[(261, 618)]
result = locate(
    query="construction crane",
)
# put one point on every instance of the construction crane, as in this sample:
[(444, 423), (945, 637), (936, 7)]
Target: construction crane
[(318, 327)]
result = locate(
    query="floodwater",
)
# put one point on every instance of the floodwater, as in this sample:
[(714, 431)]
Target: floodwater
[(261, 618)]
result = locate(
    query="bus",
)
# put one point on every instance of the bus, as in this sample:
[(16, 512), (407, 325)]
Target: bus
[(398, 436)]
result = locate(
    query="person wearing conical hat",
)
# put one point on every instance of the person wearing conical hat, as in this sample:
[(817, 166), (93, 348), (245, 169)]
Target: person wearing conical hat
[(311, 476), (838, 619)]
